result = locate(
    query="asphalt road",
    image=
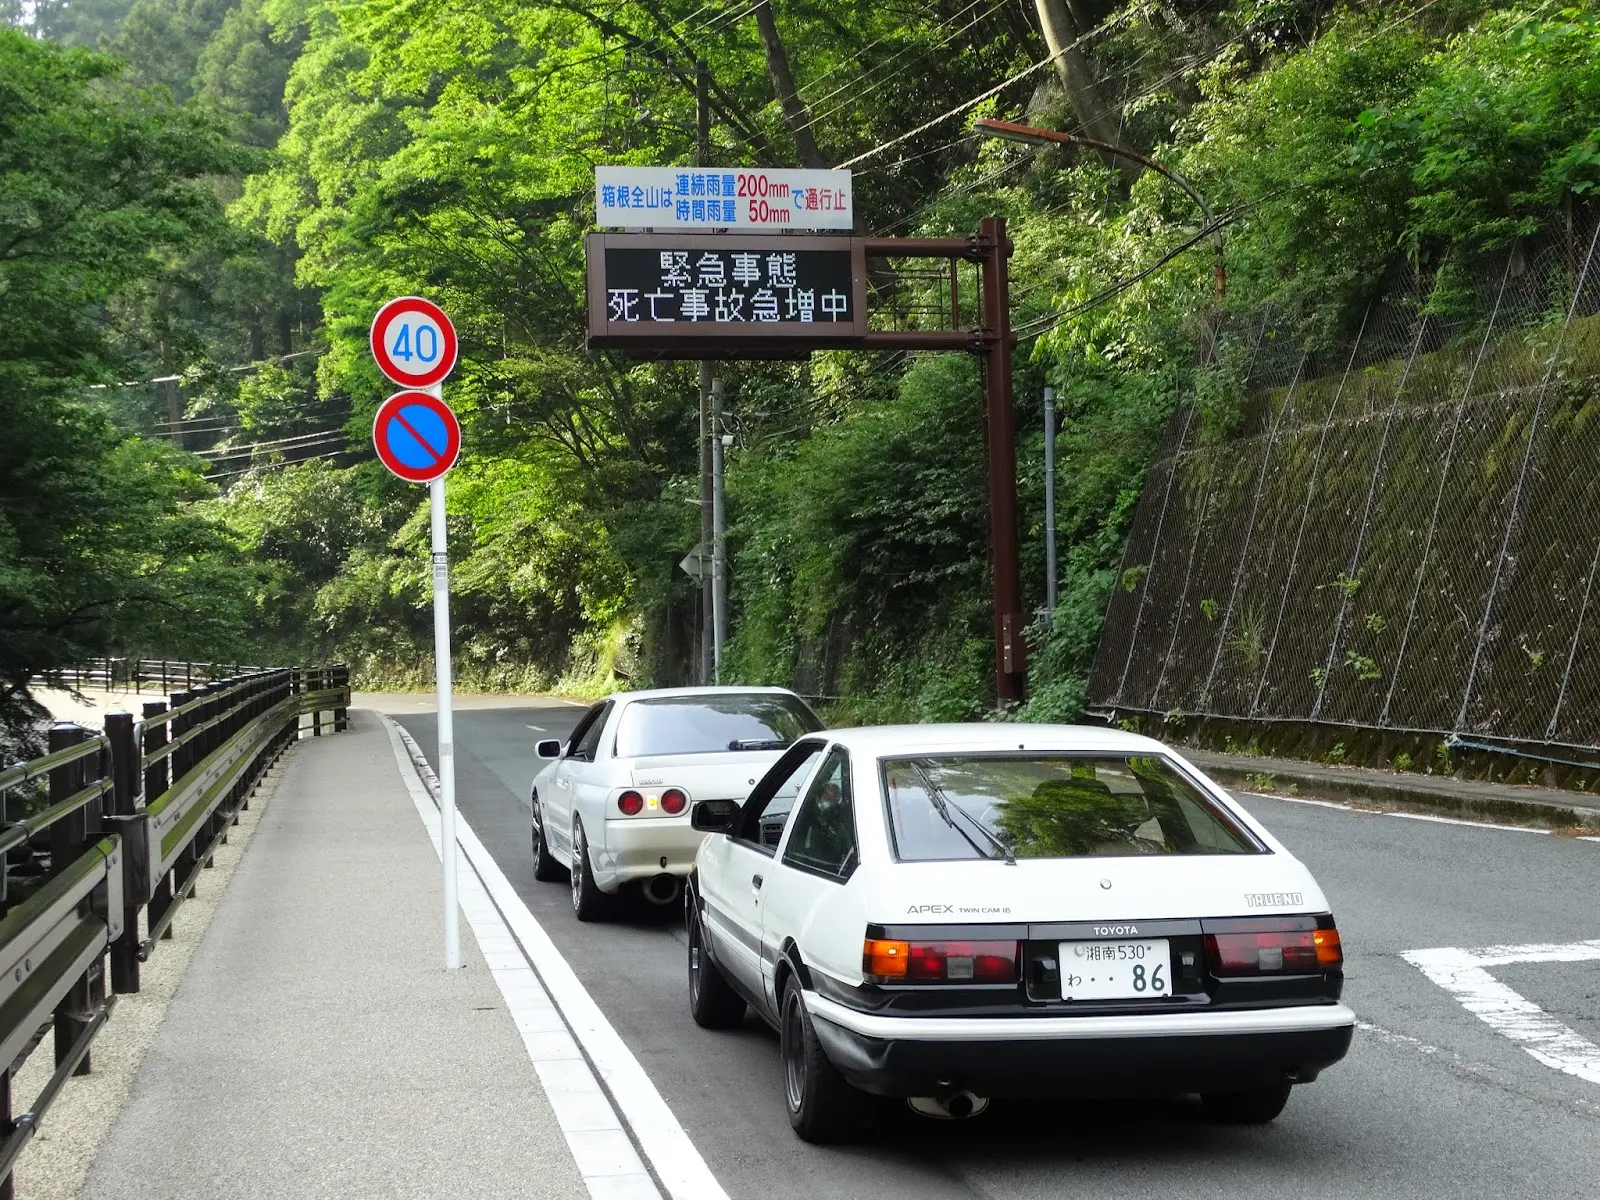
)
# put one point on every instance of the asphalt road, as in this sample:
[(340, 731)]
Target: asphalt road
[(1431, 1102)]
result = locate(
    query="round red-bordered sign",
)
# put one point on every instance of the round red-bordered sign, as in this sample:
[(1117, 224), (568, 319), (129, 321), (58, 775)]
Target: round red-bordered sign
[(413, 342), (416, 436)]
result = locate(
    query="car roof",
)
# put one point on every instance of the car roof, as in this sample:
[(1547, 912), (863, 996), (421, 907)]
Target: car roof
[(692, 692), (880, 740)]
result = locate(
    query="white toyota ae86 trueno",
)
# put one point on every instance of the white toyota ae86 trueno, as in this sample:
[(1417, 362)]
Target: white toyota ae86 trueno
[(949, 913)]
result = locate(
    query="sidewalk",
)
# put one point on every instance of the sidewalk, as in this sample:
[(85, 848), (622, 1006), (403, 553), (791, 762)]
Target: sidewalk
[(317, 1047)]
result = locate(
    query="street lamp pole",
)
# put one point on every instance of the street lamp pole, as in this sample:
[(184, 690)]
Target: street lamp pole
[(1029, 135)]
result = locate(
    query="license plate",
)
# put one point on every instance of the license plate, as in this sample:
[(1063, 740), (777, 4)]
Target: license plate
[(1126, 970)]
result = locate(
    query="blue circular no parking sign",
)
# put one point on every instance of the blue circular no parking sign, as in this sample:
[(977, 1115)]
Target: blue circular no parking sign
[(416, 436)]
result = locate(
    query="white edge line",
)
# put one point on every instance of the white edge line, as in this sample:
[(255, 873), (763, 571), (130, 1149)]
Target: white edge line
[(678, 1164), (1372, 812), (601, 1150)]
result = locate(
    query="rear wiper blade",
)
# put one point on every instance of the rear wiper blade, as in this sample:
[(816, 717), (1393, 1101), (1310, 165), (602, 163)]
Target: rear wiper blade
[(758, 744), (942, 805)]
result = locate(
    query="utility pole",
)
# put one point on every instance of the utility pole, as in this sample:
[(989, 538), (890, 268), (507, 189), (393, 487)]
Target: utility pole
[(719, 528), (702, 88), (1050, 501), (1010, 649)]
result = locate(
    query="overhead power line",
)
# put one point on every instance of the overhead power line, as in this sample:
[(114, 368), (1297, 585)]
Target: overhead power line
[(967, 105)]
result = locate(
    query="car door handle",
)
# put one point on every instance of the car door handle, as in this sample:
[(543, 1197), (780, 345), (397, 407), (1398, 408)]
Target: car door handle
[(756, 881)]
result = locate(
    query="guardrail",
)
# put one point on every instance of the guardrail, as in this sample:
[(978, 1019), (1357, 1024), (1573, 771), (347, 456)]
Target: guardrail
[(113, 823), (135, 674)]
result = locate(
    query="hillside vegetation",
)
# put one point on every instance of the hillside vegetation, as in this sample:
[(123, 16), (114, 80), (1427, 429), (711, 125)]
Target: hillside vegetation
[(191, 186)]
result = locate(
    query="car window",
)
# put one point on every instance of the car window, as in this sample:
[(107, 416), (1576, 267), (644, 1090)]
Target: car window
[(776, 813), (588, 741), (715, 723), (823, 833), (1051, 806)]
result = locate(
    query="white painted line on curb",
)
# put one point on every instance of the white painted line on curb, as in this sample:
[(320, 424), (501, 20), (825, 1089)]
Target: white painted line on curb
[(1385, 812), (676, 1161), (1458, 821), (1462, 973), (606, 1159), (1300, 800)]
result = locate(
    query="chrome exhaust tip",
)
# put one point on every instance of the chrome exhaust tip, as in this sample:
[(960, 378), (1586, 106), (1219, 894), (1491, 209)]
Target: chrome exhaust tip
[(662, 890), (957, 1106)]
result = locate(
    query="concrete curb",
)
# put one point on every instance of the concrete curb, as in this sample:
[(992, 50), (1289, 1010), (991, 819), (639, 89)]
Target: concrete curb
[(1467, 799)]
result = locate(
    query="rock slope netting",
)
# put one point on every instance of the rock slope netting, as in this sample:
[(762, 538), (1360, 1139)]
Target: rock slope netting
[(1402, 533)]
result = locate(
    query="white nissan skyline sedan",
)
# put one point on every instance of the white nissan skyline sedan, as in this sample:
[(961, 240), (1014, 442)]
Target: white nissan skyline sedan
[(950, 913), (611, 808)]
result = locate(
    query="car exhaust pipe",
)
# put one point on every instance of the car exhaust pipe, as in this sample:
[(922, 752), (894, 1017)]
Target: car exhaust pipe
[(662, 890), (953, 1106)]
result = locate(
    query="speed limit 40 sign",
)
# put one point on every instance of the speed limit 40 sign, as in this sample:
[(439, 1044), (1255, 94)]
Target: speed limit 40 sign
[(413, 342)]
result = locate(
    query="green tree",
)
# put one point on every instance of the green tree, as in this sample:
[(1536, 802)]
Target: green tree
[(101, 186)]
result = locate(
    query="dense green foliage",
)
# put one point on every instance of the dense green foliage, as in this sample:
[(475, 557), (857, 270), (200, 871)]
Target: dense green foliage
[(102, 184), (446, 147)]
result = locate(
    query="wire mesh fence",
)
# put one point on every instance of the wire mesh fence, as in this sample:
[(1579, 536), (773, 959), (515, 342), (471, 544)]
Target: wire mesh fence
[(1403, 533)]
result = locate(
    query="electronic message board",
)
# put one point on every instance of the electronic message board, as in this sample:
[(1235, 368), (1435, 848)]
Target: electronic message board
[(683, 292)]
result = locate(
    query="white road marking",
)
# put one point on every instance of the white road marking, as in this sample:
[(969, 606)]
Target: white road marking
[(537, 971), (1459, 821), (605, 1157), (1374, 812), (1463, 974)]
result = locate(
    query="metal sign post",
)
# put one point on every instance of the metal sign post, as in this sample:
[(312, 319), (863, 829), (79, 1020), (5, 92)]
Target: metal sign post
[(418, 438), (446, 713), (739, 295)]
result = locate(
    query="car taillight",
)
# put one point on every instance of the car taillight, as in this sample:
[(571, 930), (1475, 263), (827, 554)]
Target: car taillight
[(887, 960), (1272, 945), (673, 802), (630, 803)]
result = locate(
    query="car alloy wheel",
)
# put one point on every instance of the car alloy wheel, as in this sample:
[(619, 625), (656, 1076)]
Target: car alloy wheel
[(589, 903), (580, 867), (545, 867), (712, 1001), (794, 1054)]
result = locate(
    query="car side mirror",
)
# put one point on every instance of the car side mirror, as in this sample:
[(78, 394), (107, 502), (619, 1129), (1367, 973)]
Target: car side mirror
[(714, 816), (549, 748)]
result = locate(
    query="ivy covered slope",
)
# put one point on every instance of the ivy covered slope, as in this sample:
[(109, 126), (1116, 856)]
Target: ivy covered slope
[(447, 147)]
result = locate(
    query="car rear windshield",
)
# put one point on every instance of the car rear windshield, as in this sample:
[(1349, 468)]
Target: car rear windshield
[(707, 724), (1051, 806)]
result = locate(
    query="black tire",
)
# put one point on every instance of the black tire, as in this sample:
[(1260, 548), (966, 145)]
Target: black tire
[(822, 1107), (545, 868), (712, 1001), (589, 903), (1256, 1106)]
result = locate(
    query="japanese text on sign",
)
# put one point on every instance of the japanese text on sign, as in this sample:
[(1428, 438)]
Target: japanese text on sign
[(728, 198), (729, 286)]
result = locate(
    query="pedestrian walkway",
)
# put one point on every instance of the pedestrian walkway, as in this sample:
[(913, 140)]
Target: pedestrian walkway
[(317, 1047)]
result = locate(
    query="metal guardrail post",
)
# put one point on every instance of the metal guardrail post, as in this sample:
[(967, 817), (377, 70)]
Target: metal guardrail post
[(127, 782), (177, 765), (69, 837), (316, 714), (341, 680), (209, 741)]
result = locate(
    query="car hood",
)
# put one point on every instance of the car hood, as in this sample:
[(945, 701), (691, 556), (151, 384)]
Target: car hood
[(1092, 889), (726, 776)]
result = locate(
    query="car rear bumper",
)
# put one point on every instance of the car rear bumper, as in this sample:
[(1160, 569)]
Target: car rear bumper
[(1081, 1056), (634, 849)]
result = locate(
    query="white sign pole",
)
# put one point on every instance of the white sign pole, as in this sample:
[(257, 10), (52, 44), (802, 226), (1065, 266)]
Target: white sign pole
[(446, 720)]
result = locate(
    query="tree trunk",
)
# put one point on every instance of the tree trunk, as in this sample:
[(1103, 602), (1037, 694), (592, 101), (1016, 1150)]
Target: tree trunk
[(1077, 78), (794, 110)]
